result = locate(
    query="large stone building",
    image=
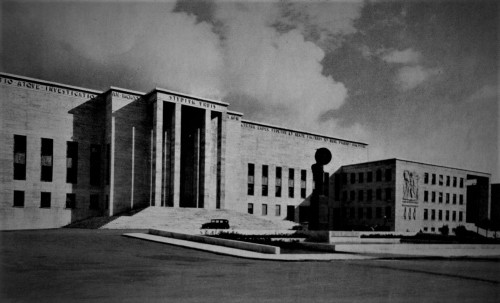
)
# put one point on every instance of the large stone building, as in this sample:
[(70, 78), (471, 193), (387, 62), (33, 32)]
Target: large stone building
[(70, 152), (399, 195)]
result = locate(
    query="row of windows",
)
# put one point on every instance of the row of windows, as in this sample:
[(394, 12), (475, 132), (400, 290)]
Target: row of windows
[(369, 176), (450, 181), (279, 182), (446, 215), (439, 195), (277, 209), (47, 162), (46, 200), (367, 212), (369, 195)]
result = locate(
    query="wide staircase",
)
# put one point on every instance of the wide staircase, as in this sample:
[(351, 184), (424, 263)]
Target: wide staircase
[(191, 219)]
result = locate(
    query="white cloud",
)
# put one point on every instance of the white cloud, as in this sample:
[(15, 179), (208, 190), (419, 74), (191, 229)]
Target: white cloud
[(409, 77), (406, 56)]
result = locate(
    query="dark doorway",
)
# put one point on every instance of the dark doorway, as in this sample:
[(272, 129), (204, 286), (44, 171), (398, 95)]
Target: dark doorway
[(290, 212)]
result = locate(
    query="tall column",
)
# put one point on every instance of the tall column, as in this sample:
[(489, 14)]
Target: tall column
[(207, 190), (176, 157), (221, 162), (158, 151)]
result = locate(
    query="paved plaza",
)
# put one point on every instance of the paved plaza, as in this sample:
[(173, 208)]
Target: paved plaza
[(73, 265)]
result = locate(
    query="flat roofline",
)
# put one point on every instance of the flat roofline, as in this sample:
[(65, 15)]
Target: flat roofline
[(163, 90), (124, 90), (416, 162), (45, 82), (232, 112), (300, 131)]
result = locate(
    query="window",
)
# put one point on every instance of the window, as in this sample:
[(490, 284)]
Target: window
[(46, 160), (426, 229), (447, 217), (251, 179), (388, 174), (291, 183), (454, 198), (70, 200), (447, 198), (426, 196), (95, 164), (454, 216), (461, 216), (440, 215), (45, 200), (71, 162), (353, 178), (378, 194), (433, 200), (378, 175), (303, 176), (264, 209), (433, 214), (447, 180), (461, 182), (369, 195), (433, 179), (440, 197), (440, 179), (426, 178), (433, 229), (360, 195), (454, 181), (361, 177), (94, 201), (378, 212), (352, 196), (388, 194), (20, 158), (368, 212), (278, 182), (426, 214), (278, 210), (461, 199), (388, 212), (326, 184), (360, 213), (250, 208), (265, 180), (18, 198), (369, 176)]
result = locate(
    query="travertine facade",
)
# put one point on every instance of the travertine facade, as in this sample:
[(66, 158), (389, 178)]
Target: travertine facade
[(69, 152)]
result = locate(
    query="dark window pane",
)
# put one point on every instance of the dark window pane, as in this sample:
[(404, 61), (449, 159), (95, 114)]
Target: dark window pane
[(46, 160), (45, 200), (19, 157)]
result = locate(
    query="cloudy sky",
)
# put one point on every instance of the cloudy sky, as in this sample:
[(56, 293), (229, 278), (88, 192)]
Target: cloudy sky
[(417, 80)]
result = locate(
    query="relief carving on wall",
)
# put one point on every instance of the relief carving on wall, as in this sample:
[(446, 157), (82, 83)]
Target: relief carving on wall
[(410, 186)]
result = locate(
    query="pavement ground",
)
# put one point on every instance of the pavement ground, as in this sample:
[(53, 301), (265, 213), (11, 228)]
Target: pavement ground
[(76, 265)]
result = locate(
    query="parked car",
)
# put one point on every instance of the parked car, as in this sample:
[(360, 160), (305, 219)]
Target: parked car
[(216, 224)]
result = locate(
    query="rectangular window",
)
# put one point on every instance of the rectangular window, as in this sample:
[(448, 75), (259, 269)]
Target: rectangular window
[(454, 216), (388, 194), (447, 216), (352, 196), (71, 162), (250, 208), (95, 164), (440, 215), (251, 179), (94, 201), (448, 180), (368, 212), (360, 195), (369, 196), (388, 212), (426, 178), (388, 174), (70, 200), (447, 198), (440, 197), (461, 199), (19, 157), (291, 182), (461, 182), (278, 210), (46, 160), (433, 179), (278, 182), (353, 178), (361, 177), (265, 180), (433, 214), (369, 176), (18, 198), (426, 196), (303, 176), (460, 216), (360, 213), (378, 212), (454, 198), (426, 214), (45, 200), (378, 175), (433, 199), (326, 184), (264, 209), (441, 180), (454, 181), (108, 163), (378, 194)]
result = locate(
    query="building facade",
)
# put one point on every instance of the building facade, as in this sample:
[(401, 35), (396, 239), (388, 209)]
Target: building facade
[(405, 196), (68, 153)]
